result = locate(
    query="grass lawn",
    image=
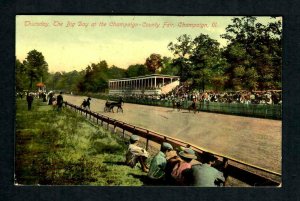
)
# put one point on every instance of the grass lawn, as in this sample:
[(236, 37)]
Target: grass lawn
[(62, 148)]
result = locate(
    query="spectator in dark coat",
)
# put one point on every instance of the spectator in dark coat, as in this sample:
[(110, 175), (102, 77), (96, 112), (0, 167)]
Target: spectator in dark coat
[(29, 99), (60, 101)]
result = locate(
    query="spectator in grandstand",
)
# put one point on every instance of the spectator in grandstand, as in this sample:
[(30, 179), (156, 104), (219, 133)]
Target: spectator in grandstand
[(182, 164), (158, 164), (204, 175), (136, 154)]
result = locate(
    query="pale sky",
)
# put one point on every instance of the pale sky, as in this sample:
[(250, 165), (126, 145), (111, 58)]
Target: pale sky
[(120, 40)]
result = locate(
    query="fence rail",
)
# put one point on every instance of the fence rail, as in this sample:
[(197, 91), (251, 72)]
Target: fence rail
[(242, 171)]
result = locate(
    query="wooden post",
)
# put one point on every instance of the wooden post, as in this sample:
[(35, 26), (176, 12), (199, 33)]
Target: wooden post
[(147, 142), (224, 169), (123, 131), (115, 127)]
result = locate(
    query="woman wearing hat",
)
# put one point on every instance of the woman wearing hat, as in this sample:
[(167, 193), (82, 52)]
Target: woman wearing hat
[(184, 163), (136, 154)]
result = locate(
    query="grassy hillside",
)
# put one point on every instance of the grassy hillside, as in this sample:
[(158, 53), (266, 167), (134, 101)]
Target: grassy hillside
[(62, 148)]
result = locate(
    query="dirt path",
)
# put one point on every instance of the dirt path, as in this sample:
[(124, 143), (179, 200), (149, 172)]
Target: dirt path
[(253, 140)]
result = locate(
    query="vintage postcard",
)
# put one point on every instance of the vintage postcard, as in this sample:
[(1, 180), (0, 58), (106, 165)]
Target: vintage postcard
[(122, 100)]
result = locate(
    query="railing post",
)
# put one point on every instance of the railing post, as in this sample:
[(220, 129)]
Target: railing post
[(147, 142), (224, 169), (123, 131), (115, 127)]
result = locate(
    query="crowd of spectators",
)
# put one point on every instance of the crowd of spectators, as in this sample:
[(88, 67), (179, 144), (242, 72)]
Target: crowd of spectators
[(179, 168), (49, 97), (245, 97)]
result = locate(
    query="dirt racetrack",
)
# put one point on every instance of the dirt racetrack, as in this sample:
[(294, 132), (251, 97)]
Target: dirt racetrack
[(252, 140)]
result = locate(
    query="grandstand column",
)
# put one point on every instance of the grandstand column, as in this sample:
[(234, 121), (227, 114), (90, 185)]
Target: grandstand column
[(155, 82), (148, 83)]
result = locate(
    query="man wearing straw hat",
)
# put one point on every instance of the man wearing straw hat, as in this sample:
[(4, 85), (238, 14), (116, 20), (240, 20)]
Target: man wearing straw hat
[(136, 154), (183, 164)]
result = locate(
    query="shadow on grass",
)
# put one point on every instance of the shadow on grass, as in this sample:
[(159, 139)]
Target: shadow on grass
[(115, 163), (149, 182), (143, 178)]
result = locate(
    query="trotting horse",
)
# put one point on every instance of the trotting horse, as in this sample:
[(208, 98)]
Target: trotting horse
[(116, 104), (86, 104)]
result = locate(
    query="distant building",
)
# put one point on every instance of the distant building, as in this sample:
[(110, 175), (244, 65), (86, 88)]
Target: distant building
[(154, 84)]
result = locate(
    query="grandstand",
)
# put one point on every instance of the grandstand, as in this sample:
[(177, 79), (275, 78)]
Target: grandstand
[(154, 84)]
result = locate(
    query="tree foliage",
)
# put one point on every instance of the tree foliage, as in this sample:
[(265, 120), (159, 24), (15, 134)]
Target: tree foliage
[(181, 51), (36, 66), (207, 62), (22, 81), (137, 70), (254, 53), (198, 60)]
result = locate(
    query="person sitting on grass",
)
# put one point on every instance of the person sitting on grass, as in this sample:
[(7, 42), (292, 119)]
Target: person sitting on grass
[(136, 154), (204, 175), (183, 163), (158, 164)]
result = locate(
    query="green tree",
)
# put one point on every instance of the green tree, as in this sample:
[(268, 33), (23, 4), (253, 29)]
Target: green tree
[(115, 72), (254, 53), (95, 78), (137, 70), (182, 50), (207, 62), (36, 66), (21, 76), (168, 68)]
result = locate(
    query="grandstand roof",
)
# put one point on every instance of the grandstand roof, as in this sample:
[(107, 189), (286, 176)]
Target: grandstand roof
[(146, 76)]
